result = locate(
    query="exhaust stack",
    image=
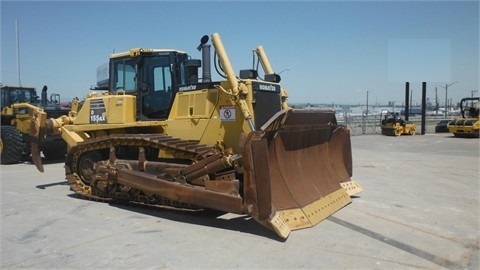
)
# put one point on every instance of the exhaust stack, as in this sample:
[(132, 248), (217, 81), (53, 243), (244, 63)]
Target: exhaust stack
[(206, 73), (205, 48)]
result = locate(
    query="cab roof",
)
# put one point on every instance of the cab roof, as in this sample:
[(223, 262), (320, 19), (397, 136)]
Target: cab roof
[(138, 51), (17, 87)]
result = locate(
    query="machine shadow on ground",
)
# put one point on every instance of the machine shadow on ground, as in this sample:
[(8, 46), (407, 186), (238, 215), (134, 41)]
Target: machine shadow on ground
[(205, 217)]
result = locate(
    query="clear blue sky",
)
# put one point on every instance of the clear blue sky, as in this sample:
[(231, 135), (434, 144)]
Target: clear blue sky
[(336, 51)]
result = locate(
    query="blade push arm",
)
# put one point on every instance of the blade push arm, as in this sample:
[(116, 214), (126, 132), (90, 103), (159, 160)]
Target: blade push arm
[(238, 90), (267, 68)]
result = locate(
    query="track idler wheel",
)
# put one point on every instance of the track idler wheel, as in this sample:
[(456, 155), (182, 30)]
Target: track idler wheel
[(86, 166)]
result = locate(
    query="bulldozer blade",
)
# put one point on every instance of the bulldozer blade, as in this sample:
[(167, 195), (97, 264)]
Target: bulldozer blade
[(341, 159), (294, 170)]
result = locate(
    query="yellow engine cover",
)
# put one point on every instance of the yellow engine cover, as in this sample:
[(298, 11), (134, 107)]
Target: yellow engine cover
[(108, 109)]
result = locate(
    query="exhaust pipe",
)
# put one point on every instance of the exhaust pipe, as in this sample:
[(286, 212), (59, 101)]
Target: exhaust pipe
[(206, 73), (205, 48)]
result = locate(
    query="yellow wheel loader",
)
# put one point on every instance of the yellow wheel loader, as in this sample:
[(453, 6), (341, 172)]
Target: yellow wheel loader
[(469, 125), (392, 125), (18, 105), (156, 133)]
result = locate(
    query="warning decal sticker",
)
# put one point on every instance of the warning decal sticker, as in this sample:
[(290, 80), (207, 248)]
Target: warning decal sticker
[(227, 113)]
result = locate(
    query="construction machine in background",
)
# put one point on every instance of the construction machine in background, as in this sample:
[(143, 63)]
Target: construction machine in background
[(156, 133), (393, 125), (469, 124), (18, 105)]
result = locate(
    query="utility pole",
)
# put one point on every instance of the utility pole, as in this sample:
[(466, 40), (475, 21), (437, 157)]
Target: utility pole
[(424, 106), (446, 96), (18, 53), (407, 100)]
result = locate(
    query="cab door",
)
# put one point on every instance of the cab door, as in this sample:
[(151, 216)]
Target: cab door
[(159, 94)]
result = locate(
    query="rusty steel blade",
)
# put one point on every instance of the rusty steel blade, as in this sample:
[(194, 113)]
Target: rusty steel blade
[(36, 158), (294, 169), (35, 140)]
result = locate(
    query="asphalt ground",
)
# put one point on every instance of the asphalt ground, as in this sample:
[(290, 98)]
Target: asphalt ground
[(419, 210)]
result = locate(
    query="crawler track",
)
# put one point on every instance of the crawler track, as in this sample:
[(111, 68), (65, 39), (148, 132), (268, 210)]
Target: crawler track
[(80, 176)]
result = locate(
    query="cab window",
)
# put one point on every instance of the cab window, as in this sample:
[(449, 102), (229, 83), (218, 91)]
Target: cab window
[(20, 95), (125, 75)]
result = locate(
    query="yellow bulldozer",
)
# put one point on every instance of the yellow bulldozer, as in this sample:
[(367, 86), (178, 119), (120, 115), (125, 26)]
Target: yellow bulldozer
[(155, 132), (469, 124)]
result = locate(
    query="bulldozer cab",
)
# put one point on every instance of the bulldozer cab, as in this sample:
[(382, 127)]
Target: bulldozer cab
[(152, 75)]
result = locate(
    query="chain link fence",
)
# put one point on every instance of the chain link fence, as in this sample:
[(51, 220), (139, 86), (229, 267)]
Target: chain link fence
[(368, 125)]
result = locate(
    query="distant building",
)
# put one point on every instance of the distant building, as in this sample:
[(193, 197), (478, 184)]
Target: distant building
[(412, 111)]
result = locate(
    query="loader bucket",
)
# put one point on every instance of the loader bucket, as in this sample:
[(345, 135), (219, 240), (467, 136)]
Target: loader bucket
[(297, 170)]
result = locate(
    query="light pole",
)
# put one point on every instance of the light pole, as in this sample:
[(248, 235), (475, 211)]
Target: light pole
[(366, 112), (446, 95)]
